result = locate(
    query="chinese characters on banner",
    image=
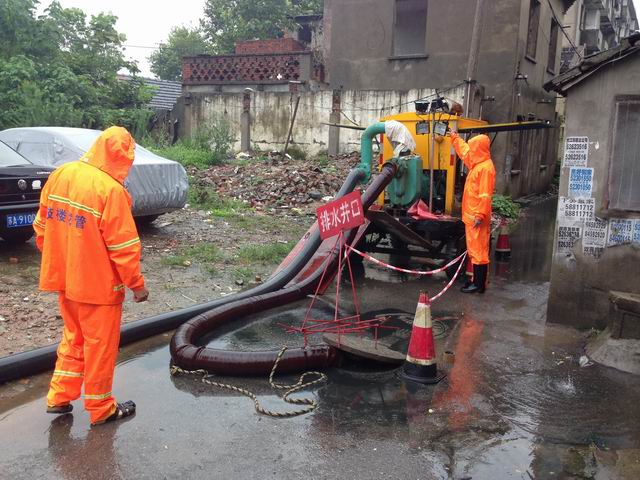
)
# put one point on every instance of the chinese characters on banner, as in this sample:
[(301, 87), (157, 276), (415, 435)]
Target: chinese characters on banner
[(576, 152), (580, 182), (339, 215)]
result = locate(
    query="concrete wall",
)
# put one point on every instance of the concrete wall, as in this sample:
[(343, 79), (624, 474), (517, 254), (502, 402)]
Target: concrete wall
[(358, 53), (580, 283), (271, 114)]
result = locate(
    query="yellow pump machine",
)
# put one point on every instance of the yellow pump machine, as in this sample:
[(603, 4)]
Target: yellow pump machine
[(418, 215)]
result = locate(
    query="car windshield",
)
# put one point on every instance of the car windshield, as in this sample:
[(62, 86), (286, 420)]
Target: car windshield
[(10, 158)]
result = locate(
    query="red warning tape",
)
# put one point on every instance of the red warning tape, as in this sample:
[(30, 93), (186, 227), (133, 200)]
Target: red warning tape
[(460, 258), (404, 270)]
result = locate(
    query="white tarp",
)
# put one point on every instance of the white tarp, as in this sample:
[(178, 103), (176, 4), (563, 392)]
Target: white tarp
[(156, 185), (399, 136)]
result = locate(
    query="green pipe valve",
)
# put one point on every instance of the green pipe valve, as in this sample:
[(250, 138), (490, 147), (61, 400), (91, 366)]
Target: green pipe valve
[(366, 148)]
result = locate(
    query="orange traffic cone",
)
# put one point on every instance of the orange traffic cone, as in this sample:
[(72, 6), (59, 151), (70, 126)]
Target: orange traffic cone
[(420, 365), (503, 245)]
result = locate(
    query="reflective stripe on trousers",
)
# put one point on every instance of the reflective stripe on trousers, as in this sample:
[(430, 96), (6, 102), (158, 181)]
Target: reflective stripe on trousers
[(87, 354)]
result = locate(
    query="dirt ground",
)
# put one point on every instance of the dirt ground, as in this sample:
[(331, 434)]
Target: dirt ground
[(190, 256), (244, 216)]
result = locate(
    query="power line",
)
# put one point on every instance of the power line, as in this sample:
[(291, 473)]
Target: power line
[(142, 46), (575, 49)]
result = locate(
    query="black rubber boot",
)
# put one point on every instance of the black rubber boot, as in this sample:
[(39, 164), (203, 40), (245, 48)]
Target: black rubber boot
[(471, 287), (479, 279), (483, 271)]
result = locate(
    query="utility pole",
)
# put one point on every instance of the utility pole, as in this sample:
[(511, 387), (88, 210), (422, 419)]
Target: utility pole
[(472, 66)]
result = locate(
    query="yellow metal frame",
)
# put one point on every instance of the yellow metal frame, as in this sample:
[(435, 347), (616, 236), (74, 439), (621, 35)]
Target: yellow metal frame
[(444, 154)]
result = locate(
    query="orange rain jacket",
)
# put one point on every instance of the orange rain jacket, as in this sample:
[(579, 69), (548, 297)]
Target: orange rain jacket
[(478, 188), (85, 229)]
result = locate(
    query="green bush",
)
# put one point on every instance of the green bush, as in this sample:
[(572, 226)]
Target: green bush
[(215, 136), (505, 207), (188, 156), (296, 152)]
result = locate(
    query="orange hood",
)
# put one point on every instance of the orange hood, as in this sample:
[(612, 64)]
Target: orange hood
[(480, 147), (112, 153)]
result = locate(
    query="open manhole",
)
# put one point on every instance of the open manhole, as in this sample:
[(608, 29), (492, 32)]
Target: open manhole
[(389, 345)]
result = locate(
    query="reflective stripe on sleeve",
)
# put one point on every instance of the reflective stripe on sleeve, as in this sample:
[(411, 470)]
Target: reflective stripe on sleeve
[(39, 224), (123, 244), (484, 195), (117, 288), (79, 206)]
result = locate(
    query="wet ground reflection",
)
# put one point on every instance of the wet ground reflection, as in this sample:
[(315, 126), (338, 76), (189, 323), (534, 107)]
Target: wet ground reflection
[(515, 404)]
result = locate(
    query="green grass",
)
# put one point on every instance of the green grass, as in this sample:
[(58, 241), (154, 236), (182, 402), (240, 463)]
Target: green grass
[(243, 273), (205, 198), (270, 253), (188, 155), (203, 253)]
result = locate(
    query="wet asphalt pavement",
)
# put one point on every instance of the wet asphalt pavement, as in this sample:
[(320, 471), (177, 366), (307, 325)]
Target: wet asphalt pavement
[(516, 403)]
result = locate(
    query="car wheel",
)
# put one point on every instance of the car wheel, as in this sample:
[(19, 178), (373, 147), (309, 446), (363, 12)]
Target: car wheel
[(14, 238), (145, 220)]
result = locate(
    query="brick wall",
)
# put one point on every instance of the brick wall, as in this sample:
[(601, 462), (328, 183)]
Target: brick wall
[(272, 45)]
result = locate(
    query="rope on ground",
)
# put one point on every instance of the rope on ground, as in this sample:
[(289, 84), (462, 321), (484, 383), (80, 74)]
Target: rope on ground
[(290, 389)]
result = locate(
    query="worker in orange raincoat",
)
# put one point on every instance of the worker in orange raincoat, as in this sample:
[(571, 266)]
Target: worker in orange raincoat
[(476, 204), (90, 254)]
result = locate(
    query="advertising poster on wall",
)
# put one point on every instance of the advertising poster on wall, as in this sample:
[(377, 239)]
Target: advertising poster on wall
[(595, 233), (620, 231), (576, 208), (635, 237), (576, 152), (580, 182), (568, 235)]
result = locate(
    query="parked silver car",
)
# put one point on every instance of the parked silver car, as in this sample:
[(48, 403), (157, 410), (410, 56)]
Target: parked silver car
[(157, 185)]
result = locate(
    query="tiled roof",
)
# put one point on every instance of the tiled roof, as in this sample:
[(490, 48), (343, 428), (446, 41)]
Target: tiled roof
[(591, 64), (165, 95)]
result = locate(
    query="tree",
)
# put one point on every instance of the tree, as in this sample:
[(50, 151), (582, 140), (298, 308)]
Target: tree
[(62, 69), (166, 61), (226, 22)]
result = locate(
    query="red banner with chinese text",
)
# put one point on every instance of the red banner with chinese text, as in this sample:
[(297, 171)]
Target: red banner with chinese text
[(339, 215)]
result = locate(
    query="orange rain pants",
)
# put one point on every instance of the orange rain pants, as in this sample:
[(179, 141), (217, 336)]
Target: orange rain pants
[(477, 196), (90, 254), (87, 354)]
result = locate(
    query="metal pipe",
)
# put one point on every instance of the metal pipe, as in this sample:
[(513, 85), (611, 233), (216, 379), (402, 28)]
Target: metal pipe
[(431, 154), (366, 148)]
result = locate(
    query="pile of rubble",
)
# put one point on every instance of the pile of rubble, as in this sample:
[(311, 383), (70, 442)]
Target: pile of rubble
[(273, 182)]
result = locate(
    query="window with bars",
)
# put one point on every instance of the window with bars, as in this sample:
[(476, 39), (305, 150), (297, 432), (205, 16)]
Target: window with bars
[(624, 167)]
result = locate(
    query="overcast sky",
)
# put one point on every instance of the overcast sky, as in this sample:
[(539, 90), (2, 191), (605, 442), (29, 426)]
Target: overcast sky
[(146, 23)]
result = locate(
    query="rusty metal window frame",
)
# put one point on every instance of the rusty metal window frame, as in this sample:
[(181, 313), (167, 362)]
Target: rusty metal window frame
[(624, 179)]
